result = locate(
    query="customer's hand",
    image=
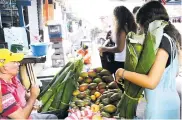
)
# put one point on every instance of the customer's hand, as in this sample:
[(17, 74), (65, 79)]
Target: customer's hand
[(118, 74), (34, 91), (101, 50)]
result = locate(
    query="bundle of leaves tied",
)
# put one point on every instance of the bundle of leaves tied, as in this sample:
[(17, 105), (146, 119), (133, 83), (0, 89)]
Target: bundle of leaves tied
[(140, 55)]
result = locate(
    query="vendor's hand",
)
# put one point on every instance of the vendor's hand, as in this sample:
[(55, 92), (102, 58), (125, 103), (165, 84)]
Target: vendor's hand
[(37, 105), (34, 91), (118, 74)]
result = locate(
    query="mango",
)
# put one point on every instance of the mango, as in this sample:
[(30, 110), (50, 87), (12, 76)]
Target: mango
[(102, 85), (87, 102), (107, 79), (105, 114), (92, 86), (92, 92), (109, 108), (97, 117), (101, 106), (74, 99), (87, 92), (93, 98), (79, 103), (92, 73), (105, 72), (113, 85), (95, 108), (80, 80), (88, 98), (83, 87), (76, 92), (83, 74), (98, 70), (82, 95), (97, 80), (88, 80), (97, 94), (102, 91)]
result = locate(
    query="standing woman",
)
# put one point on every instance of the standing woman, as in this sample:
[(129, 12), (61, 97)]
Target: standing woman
[(123, 23), (162, 98)]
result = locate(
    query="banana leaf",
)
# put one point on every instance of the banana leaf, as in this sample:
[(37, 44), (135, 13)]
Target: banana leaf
[(140, 56)]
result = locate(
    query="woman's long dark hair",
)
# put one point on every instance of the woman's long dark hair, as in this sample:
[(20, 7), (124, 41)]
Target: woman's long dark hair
[(125, 20), (154, 10)]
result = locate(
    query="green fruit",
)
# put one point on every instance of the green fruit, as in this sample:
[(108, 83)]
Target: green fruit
[(92, 86), (109, 94), (105, 92), (102, 91), (92, 74), (83, 74), (79, 103), (72, 104), (97, 80), (92, 92), (103, 96), (87, 92), (115, 90), (101, 106), (88, 80), (105, 72), (115, 103), (115, 97), (109, 108), (102, 85), (104, 114), (80, 80), (82, 95), (113, 85), (107, 79), (105, 101), (98, 70), (74, 99), (87, 102)]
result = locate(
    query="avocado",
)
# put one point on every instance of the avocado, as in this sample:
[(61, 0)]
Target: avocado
[(114, 97), (97, 80), (105, 72), (107, 79), (92, 86), (105, 101), (113, 85)]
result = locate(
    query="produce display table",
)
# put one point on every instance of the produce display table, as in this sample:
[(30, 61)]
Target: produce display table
[(32, 59)]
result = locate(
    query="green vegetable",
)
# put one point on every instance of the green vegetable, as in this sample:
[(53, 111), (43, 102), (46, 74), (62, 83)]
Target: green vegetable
[(139, 58)]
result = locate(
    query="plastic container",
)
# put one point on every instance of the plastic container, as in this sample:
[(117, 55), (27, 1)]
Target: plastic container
[(39, 49), (16, 48)]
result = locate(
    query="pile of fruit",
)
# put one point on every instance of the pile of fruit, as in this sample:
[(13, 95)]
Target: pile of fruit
[(58, 93), (98, 90)]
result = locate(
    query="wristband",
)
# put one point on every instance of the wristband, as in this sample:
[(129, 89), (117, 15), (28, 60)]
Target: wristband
[(123, 75)]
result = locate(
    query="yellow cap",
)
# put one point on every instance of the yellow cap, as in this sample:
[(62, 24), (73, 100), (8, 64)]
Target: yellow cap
[(7, 56)]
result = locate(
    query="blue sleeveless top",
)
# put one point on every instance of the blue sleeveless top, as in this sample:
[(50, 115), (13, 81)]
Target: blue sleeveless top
[(163, 102)]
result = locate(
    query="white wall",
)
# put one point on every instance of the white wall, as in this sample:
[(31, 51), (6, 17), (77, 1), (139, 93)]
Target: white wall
[(33, 20)]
